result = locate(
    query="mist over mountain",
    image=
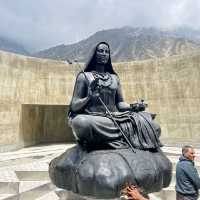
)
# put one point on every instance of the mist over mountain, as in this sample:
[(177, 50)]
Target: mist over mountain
[(129, 43), (185, 32), (9, 45)]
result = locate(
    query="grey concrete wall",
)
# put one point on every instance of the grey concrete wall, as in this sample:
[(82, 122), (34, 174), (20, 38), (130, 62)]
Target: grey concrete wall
[(170, 86), (45, 124), (29, 81)]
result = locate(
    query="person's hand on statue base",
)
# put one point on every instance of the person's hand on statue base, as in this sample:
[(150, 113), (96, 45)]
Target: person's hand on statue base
[(132, 193), (135, 194)]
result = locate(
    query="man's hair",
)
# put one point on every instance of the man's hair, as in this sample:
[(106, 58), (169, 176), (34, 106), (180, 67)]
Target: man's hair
[(185, 149)]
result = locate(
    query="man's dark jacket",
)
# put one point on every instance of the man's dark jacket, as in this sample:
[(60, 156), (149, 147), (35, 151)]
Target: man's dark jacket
[(187, 178)]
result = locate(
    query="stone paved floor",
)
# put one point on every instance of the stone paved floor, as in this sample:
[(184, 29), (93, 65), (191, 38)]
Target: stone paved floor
[(24, 173)]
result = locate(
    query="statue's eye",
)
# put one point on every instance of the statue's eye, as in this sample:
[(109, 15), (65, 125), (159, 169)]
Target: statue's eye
[(100, 50), (103, 50)]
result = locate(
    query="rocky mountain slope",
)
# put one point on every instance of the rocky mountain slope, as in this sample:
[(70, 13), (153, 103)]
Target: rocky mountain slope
[(128, 44)]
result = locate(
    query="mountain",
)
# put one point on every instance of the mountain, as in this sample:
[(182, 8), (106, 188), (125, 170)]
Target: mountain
[(185, 32), (127, 44), (12, 46)]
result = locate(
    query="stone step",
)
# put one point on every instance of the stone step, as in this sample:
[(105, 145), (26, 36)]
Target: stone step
[(9, 183), (31, 190), (8, 197), (37, 192), (9, 188), (49, 196), (33, 175), (30, 166), (25, 186), (34, 151)]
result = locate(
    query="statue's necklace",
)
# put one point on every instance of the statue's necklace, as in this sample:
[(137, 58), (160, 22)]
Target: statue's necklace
[(105, 79)]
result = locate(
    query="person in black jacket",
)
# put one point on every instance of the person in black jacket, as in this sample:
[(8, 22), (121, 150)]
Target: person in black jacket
[(187, 177)]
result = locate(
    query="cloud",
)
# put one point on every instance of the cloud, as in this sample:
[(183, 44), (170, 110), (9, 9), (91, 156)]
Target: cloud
[(42, 24)]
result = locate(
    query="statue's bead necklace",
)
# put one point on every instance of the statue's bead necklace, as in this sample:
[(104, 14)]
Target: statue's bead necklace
[(105, 79)]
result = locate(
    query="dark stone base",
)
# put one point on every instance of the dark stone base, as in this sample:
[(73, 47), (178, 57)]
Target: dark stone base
[(68, 195), (103, 173)]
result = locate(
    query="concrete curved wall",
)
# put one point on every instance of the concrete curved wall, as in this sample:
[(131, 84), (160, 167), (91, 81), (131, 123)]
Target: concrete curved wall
[(170, 86)]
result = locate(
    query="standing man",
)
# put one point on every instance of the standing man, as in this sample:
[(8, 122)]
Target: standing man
[(187, 177)]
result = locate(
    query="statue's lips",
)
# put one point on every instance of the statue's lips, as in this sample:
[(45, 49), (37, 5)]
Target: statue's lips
[(103, 59)]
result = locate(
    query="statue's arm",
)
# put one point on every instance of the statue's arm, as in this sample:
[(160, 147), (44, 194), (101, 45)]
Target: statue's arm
[(120, 103), (123, 106), (136, 107), (80, 97)]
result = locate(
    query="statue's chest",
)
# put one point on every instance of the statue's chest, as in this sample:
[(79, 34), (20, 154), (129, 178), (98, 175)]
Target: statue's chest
[(107, 82)]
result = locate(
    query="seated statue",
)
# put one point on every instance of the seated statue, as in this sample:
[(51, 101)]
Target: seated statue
[(97, 102), (118, 143)]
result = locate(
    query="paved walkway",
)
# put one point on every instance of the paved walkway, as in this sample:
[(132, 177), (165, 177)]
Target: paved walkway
[(24, 173)]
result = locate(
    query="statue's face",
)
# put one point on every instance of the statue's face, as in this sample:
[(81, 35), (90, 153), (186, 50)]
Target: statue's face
[(102, 54)]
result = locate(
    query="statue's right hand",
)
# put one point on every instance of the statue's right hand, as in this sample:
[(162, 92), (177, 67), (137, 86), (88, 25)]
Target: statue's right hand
[(94, 90), (94, 84), (93, 94)]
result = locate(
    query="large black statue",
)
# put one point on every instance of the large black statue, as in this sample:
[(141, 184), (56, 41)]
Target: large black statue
[(117, 143)]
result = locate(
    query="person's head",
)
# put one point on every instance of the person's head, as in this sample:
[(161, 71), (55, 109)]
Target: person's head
[(188, 152), (100, 56)]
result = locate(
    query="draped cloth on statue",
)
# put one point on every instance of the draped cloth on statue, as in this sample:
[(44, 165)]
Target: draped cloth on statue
[(139, 128)]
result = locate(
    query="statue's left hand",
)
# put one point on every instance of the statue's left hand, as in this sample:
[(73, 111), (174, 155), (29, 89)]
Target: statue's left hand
[(138, 107), (141, 106)]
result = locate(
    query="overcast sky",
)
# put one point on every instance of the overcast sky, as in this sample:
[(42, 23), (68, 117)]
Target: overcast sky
[(39, 24)]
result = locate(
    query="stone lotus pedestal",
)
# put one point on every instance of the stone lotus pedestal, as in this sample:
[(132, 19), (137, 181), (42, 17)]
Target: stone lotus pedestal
[(102, 174)]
